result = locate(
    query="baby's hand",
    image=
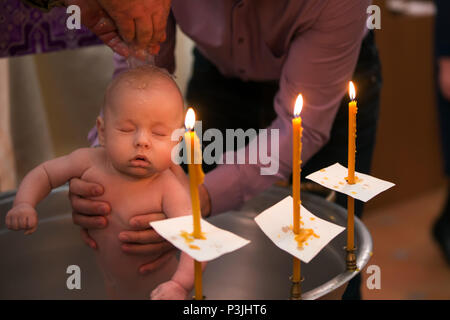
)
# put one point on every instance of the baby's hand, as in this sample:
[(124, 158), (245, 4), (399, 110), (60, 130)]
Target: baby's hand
[(170, 290), (22, 217)]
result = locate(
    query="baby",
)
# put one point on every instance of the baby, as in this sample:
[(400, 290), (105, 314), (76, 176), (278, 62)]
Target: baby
[(142, 107)]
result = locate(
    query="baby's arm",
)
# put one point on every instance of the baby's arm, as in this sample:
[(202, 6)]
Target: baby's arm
[(38, 183), (177, 202)]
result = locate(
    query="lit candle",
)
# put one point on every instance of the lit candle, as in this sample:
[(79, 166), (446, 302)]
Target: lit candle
[(352, 110), (194, 168), (195, 179), (296, 171)]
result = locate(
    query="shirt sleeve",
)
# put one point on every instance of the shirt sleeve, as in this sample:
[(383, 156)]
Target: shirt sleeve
[(443, 28), (319, 64)]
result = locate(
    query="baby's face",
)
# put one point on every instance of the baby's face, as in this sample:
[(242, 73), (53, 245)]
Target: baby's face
[(137, 127)]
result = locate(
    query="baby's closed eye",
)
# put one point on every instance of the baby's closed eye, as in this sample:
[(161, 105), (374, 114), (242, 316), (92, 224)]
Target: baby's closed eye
[(126, 129), (159, 134), (160, 131)]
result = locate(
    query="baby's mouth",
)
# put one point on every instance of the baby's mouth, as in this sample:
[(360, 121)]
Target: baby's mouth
[(140, 161)]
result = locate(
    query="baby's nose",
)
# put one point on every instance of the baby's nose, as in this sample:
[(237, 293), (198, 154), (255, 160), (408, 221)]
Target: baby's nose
[(142, 141), (142, 144)]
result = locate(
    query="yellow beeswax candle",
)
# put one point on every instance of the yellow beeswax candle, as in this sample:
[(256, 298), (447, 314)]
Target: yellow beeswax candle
[(198, 280), (194, 169), (296, 173), (195, 179), (352, 111)]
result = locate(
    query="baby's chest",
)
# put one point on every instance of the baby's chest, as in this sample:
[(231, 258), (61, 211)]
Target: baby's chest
[(127, 198)]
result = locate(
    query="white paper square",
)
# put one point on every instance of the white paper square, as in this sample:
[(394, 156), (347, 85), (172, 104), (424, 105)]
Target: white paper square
[(365, 188), (275, 222), (217, 242)]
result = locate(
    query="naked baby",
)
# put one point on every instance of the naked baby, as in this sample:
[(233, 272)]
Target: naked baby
[(142, 108)]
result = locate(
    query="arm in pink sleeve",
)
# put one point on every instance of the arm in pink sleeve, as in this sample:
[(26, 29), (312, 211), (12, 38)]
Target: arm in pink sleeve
[(319, 64)]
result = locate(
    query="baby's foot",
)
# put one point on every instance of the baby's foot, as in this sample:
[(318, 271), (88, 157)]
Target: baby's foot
[(169, 290)]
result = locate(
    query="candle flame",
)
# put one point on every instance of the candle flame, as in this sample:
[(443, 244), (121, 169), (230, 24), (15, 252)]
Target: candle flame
[(352, 91), (298, 106), (189, 121)]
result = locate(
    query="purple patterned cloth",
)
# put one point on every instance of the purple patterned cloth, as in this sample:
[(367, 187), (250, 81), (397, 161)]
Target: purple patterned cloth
[(27, 30)]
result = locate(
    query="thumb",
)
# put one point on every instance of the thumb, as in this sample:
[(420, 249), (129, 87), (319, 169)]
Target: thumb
[(87, 239)]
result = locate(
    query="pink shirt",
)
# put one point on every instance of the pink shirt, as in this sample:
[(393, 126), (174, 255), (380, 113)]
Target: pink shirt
[(310, 46)]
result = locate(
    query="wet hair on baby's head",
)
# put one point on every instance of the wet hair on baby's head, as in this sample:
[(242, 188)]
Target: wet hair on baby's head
[(139, 78)]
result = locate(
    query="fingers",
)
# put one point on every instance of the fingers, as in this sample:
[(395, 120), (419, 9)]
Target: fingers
[(89, 207), (85, 189), (159, 22), (89, 222), (30, 231), (11, 222), (144, 32), (143, 221), (144, 237), (113, 40), (16, 220), (146, 249), (153, 49), (151, 266), (87, 239), (98, 21), (126, 28), (78, 190), (30, 222)]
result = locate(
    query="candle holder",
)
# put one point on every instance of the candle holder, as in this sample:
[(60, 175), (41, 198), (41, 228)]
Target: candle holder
[(296, 289), (203, 298), (351, 259)]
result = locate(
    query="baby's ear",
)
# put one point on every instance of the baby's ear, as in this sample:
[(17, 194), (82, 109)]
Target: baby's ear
[(101, 130)]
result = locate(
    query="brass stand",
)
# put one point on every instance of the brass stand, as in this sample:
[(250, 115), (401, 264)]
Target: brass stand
[(351, 259), (296, 289)]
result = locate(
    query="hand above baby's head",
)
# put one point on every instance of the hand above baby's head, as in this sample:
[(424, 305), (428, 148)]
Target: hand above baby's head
[(142, 108)]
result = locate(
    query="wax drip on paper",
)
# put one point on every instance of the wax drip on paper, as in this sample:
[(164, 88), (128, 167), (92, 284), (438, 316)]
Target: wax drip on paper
[(189, 237), (302, 236), (357, 180)]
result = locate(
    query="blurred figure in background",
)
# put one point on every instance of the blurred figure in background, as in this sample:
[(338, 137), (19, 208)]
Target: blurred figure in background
[(441, 229)]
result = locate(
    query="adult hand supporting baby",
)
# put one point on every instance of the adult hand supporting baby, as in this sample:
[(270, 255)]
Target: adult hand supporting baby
[(140, 240), (89, 214), (145, 240)]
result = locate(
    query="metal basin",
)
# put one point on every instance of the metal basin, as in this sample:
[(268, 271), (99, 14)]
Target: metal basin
[(34, 267)]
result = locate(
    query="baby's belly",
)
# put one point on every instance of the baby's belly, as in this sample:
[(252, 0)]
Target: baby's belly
[(121, 270)]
